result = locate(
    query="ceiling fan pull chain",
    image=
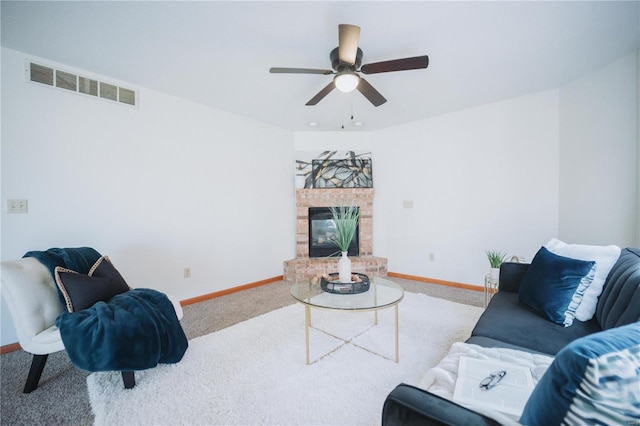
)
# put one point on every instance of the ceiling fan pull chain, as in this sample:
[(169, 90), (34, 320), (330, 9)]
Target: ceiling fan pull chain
[(351, 106)]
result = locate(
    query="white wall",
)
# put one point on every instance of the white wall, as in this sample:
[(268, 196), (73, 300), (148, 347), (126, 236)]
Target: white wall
[(168, 185), (334, 141), (479, 179), (599, 186)]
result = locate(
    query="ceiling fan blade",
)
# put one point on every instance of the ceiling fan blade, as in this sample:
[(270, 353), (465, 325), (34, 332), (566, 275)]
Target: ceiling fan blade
[(370, 93), (348, 39), (414, 63), (321, 94), (277, 70)]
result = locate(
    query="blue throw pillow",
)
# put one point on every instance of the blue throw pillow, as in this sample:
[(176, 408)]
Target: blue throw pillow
[(553, 285), (593, 380)]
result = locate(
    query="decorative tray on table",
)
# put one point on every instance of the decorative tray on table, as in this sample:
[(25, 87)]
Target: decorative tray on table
[(330, 284)]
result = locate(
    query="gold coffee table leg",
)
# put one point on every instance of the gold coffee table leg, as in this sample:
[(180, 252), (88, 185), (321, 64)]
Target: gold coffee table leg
[(307, 324), (397, 340)]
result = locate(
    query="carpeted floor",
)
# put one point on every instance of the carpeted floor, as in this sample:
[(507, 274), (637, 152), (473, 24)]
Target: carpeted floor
[(62, 396)]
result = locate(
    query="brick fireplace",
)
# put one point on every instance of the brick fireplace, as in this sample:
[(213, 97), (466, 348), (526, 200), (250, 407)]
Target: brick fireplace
[(303, 267)]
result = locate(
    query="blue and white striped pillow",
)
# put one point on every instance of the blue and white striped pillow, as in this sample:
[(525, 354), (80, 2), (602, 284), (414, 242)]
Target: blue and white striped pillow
[(610, 390), (593, 380)]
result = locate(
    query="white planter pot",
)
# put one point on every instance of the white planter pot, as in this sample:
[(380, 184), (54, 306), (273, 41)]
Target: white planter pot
[(494, 273)]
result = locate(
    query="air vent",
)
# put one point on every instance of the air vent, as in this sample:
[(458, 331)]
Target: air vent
[(79, 84)]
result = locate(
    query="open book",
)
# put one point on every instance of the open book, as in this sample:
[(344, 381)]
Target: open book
[(509, 396)]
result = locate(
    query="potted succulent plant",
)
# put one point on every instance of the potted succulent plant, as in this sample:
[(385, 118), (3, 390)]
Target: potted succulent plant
[(346, 219), (495, 260)]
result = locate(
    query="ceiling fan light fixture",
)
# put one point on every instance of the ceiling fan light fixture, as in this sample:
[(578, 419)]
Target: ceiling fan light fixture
[(346, 81)]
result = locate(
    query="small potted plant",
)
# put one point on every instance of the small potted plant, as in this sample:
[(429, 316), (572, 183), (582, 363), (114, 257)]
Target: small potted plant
[(346, 220), (495, 260)]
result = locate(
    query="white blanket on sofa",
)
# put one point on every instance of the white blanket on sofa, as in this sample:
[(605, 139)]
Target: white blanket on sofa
[(441, 379)]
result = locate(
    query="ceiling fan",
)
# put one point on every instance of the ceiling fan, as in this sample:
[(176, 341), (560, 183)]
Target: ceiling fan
[(346, 60)]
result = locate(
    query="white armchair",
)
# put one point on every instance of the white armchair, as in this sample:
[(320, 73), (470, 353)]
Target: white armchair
[(32, 298)]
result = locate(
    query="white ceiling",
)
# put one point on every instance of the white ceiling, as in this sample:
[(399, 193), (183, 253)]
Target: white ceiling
[(219, 53)]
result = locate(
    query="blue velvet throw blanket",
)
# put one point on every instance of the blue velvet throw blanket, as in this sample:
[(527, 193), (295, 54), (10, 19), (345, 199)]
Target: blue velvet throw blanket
[(79, 259), (134, 330)]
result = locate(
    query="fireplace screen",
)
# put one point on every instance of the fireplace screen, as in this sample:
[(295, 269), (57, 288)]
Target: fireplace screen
[(322, 232)]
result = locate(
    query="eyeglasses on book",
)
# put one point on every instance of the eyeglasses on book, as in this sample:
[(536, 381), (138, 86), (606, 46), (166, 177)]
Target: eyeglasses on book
[(492, 380)]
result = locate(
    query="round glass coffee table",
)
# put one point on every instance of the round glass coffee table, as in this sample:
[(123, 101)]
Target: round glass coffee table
[(382, 294)]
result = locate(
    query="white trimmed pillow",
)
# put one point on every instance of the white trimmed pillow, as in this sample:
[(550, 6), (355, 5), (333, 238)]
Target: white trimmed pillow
[(604, 256), (82, 291)]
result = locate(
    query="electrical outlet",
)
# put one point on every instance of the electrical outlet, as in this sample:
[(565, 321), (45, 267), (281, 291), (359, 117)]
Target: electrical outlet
[(187, 272), (17, 206), (407, 204), (432, 257)]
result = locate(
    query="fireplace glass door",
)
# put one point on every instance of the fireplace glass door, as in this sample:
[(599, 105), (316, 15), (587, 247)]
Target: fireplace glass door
[(322, 233)]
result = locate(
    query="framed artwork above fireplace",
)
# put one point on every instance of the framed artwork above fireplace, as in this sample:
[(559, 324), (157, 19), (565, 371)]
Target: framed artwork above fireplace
[(351, 173), (334, 169)]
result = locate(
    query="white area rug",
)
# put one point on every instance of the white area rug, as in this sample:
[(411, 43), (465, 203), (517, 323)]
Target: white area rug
[(255, 372)]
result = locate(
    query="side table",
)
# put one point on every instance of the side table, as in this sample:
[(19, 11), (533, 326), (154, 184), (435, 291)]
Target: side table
[(490, 288)]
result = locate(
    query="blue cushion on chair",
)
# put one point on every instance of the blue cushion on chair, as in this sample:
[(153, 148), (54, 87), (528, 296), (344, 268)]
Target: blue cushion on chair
[(553, 285), (593, 380)]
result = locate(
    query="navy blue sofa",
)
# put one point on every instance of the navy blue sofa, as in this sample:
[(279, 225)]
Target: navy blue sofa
[(508, 323)]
